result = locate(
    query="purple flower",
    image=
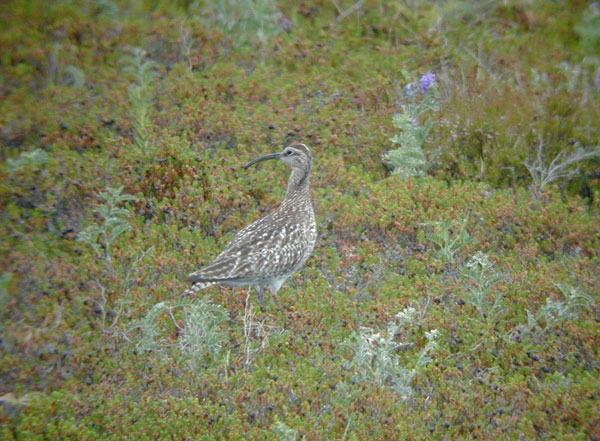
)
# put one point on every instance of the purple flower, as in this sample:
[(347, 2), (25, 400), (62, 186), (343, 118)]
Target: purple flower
[(286, 25), (426, 82)]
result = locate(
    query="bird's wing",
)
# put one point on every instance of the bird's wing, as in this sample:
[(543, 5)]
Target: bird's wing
[(224, 268), (255, 235), (258, 250), (265, 263)]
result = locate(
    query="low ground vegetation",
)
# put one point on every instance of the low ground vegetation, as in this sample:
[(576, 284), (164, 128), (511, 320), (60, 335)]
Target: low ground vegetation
[(453, 292)]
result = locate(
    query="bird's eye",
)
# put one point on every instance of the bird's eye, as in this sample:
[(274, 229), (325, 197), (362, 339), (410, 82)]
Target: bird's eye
[(288, 153)]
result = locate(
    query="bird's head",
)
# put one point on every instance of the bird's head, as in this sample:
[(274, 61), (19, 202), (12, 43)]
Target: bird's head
[(297, 156)]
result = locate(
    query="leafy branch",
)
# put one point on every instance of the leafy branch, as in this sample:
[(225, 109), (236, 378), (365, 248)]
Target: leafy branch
[(140, 94), (114, 222)]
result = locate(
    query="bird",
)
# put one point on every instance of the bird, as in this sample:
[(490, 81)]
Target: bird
[(268, 251)]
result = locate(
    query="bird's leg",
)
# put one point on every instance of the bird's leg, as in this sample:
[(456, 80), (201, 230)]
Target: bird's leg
[(261, 290), (248, 297)]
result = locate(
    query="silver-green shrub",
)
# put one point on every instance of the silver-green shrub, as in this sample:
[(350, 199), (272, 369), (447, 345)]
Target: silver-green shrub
[(408, 158), (114, 222), (376, 356)]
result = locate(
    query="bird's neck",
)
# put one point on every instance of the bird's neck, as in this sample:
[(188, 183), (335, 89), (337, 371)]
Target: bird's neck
[(298, 185)]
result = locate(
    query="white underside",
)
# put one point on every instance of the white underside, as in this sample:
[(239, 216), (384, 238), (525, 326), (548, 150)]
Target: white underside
[(272, 284)]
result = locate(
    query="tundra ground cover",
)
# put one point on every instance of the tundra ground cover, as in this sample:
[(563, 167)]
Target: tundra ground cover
[(457, 299)]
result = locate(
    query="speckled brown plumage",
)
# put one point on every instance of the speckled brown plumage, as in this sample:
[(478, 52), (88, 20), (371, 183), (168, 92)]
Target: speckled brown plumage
[(268, 251)]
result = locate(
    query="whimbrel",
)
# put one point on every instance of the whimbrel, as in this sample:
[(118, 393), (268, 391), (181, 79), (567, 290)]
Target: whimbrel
[(269, 250)]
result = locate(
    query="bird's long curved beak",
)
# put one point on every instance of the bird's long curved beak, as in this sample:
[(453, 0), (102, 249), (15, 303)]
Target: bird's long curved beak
[(263, 158)]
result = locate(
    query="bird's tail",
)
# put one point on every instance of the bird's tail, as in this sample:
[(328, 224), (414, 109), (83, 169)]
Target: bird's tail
[(196, 287)]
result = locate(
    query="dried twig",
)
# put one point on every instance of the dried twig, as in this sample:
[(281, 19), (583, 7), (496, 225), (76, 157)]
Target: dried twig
[(355, 7), (561, 167)]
